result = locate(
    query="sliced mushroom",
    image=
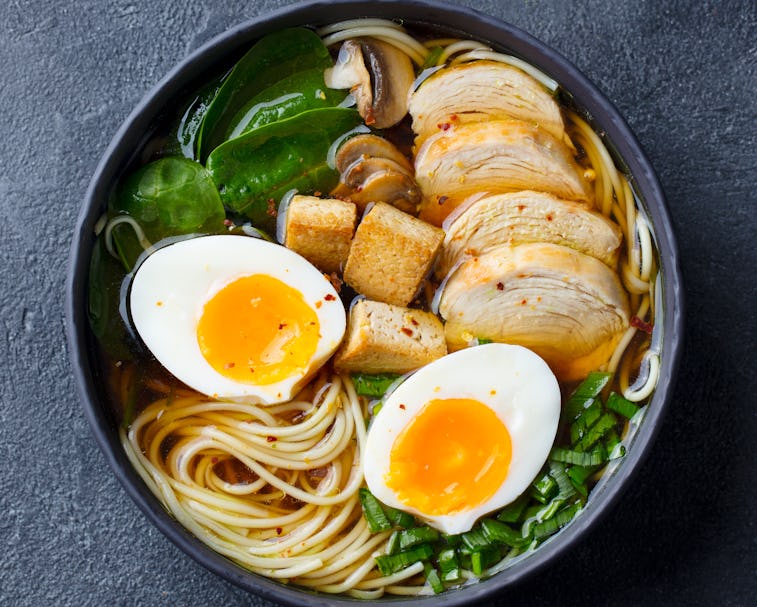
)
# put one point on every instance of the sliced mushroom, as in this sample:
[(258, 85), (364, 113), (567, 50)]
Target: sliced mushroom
[(369, 146), (379, 76), (479, 91), (566, 306), (496, 157), (521, 217), (393, 187), (356, 173)]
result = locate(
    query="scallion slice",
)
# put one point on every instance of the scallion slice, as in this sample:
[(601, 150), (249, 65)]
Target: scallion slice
[(373, 512), (392, 563), (615, 402), (433, 579), (544, 488), (475, 539), (512, 512), (607, 422), (562, 518), (417, 535), (596, 456), (398, 518), (497, 531), (393, 545), (583, 396), (374, 386), (449, 565), (586, 419), (566, 488)]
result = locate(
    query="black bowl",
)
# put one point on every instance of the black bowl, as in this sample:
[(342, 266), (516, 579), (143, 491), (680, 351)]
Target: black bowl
[(127, 147)]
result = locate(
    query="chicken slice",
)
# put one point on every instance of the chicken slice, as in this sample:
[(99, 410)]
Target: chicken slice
[(495, 157), (566, 306), (480, 91), (521, 217)]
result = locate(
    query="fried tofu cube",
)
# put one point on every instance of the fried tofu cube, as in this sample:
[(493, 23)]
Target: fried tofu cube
[(391, 254), (320, 229), (382, 338)]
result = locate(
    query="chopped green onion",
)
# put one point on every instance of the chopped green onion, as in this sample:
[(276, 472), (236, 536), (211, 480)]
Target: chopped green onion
[(392, 563), (607, 422), (452, 540), (497, 531), (398, 518), (544, 488), (549, 527), (615, 402), (417, 535), (583, 396), (480, 341), (433, 579), (393, 545), (481, 559), (432, 57), (449, 565), (578, 476), (374, 386), (566, 488), (475, 539), (550, 509), (585, 420), (511, 513), (579, 458), (373, 512)]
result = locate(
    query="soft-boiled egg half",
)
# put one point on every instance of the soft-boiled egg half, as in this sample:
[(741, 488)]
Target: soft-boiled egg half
[(464, 435), (236, 317)]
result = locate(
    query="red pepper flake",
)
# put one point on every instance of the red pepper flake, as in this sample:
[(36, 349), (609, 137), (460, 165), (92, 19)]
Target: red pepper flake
[(214, 460), (523, 302), (282, 325), (454, 117), (442, 199), (443, 126), (252, 370), (402, 406), (329, 297), (415, 322), (271, 439), (318, 303), (521, 207), (641, 325), (500, 286), (271, 210), (279, 531), (228, 223), (370, 118), (335, 281), (549, 217), (228, 366), (406, 331), (317, 193)]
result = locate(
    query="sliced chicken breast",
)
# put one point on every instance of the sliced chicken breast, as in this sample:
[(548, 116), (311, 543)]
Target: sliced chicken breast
[(480, 91), (495, 157), (566, 306), (528, 216)]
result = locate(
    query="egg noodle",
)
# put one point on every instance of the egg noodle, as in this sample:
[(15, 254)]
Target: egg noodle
[(275, 488)]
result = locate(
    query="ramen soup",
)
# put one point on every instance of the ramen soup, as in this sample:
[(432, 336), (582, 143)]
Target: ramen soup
[(377, 312)]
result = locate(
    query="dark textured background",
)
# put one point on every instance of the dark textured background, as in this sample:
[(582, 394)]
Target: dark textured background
[(684, 74)]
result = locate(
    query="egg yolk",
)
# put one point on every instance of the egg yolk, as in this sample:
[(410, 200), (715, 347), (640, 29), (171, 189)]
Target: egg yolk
[(451, 457), (258, 330)]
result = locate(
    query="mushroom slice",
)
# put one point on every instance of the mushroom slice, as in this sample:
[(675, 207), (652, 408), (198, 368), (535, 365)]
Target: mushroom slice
[(393, 187), (566, 306), (379, 76), (495, 157), (357, 172), (369, 146), (479, 91), (522, 217)]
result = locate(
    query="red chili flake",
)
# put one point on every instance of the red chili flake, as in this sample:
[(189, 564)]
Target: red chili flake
[(549, 217), (442, 199), (443, 126), (271, 439), (521, 207), (279, 531), (641, 325), (329, 297), (415, 322), (408, 332), (271, 210), (214, 460), (402, 406), (335, 281), (523, 302), (282, 325), (500, 286), (252, 370), (454, 117), (317, 193), (228, 223), (228, 366), (318, 304), (370, 118)]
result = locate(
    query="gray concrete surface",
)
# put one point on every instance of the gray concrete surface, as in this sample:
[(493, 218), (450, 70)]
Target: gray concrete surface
[(684, 74)]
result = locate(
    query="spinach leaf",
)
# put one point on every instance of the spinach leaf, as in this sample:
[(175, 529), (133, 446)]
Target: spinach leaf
[(274, 57), (268, 161), (167, 197), (290, 96)]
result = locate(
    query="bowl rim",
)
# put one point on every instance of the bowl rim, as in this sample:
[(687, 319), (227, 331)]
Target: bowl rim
[(130, 138)]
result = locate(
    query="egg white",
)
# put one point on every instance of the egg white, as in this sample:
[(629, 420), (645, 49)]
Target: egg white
[(526, 398), (173, 284)]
